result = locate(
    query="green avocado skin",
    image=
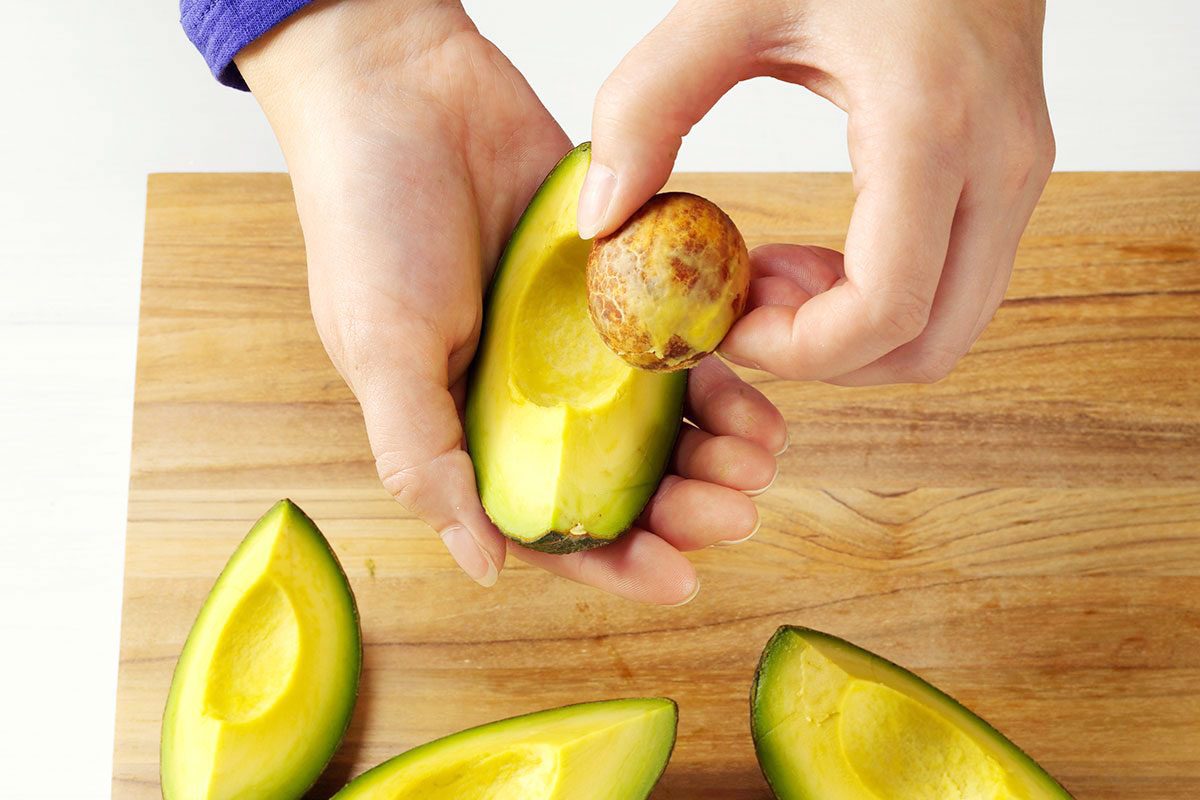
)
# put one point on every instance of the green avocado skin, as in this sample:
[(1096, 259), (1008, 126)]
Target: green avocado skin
[(777, 773), (640, 480), (561, 544)]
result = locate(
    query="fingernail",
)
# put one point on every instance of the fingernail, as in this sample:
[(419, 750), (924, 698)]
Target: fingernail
[(787, 442), (746, 538), (690, 597), (757, 492), (473, 559), (594, 199)]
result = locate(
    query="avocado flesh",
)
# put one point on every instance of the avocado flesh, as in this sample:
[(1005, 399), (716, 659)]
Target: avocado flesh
[(832, 721), (266, 682), (611, 750), (569, 442)]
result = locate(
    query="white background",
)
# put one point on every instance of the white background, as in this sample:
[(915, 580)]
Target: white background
[(96, 95)]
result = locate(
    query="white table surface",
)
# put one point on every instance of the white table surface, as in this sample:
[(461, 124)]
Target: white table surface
[(98, 95)]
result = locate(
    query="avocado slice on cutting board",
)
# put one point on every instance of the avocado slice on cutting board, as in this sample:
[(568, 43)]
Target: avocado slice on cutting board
[(832, 721), (267, 679), (609, 750), (568, 440)]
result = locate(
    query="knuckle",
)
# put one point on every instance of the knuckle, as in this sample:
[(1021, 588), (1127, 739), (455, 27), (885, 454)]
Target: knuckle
[(1028, 157), (423, 485), (900, 315), (988, 316), (934, 136), (614, 98), (364, 346), (349, 338), (1047, 151), (717, 385), (327, 320), (1020, 164), (402, 482), (358, 344), (931, 367), (738, 402)]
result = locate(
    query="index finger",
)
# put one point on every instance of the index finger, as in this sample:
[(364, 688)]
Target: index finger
[(895, 249)]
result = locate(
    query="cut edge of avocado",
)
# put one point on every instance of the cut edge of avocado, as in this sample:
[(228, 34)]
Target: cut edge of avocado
[(1016, 762), (466, 764), (191, 680), (560, 501)]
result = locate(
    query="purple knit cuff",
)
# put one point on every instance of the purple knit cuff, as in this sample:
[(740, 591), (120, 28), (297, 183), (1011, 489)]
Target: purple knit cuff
[(221, 28)]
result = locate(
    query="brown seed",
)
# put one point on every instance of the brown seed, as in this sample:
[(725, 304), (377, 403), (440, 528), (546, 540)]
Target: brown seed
[(664, 289)]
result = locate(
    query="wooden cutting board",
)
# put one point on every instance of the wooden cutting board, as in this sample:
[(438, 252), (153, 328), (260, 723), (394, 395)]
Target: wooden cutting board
[(1025, 534)]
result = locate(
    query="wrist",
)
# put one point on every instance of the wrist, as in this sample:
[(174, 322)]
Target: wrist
[(332, 45)]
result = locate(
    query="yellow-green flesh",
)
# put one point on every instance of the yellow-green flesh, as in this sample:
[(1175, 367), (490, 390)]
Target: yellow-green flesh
[(568, 441), (612, 750), (266, 682), (834, 722)]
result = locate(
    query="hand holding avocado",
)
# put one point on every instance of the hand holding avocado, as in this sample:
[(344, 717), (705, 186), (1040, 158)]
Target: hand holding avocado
[(414, 147)]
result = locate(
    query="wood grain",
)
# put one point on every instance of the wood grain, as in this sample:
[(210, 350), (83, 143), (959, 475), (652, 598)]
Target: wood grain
[(1025, 533)]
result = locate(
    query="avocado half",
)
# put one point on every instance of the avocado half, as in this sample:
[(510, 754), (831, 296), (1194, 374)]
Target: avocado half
[(832, 721), (266, 682), (610, 750), (569, 442)]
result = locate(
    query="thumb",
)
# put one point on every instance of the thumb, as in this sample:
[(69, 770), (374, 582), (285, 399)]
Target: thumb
[(662, 87), (416, 435)]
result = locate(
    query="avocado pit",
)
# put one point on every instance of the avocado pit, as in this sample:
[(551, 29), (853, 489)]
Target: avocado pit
[(665, 288)]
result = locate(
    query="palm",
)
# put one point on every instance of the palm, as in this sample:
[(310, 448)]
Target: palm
[(433, 195)]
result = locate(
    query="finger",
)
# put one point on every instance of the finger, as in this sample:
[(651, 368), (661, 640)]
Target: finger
[(721, 403), (638, 566), (980, 249), (662, 87), (1029, 171), (895, 249), (1001, 281), (729, 461), (772, 291), (991, 217), (692, 514), (812, 269), (416, 436), (791, 275), (995, 297)]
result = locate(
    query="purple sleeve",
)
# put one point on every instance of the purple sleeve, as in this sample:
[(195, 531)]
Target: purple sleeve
[(220, 28)]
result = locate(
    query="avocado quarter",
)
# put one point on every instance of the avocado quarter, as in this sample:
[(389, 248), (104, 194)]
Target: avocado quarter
[(608, 750), (264, 688), (832, 721), (569, 442)]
